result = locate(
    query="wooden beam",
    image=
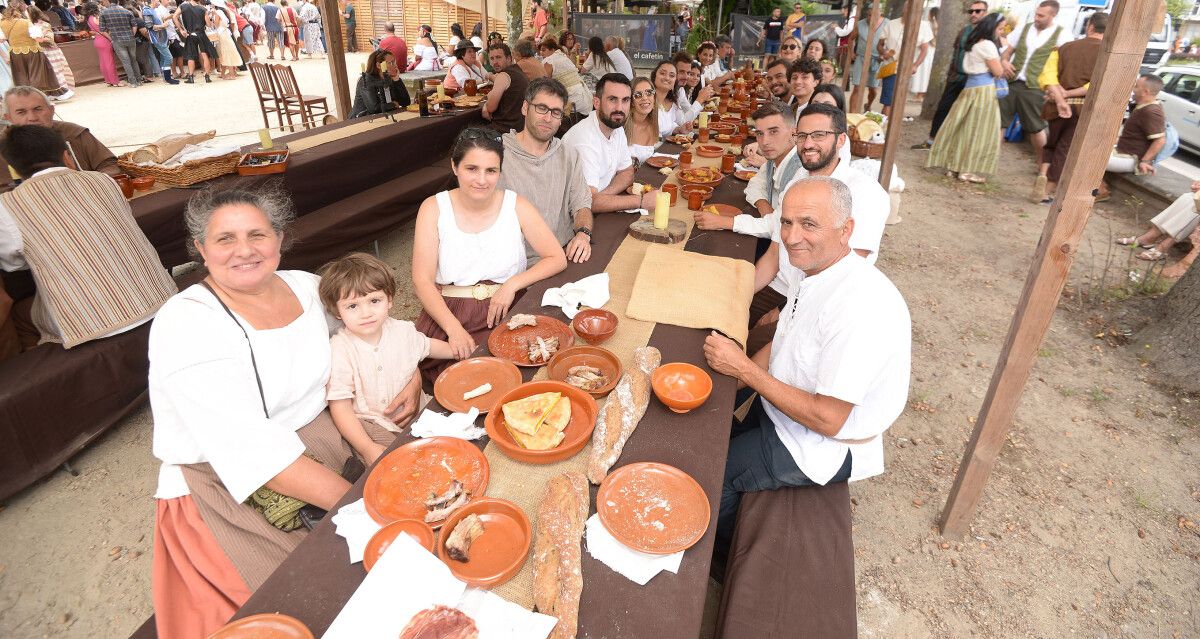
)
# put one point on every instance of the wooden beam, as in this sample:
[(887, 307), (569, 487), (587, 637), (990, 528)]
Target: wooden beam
[(336, 54), (483, 14), (1115, 71), (908, 48)]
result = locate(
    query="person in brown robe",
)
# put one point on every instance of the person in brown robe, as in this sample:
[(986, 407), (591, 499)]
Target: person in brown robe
[(27, 105), (1076, 61)]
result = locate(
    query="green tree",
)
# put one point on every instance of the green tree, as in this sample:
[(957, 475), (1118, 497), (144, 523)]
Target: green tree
[(1177, 9)]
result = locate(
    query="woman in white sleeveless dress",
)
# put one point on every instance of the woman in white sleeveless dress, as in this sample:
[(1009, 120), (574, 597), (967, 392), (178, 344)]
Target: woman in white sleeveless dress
[(469, 260), (425, 52)]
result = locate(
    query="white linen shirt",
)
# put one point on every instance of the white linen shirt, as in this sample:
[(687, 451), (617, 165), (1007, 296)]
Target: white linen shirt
[(844, 333), (205, 399), (621, 62), (670, 119), (1034, 40), (600, 157), (691, 110), (712, 72), (893, 34)]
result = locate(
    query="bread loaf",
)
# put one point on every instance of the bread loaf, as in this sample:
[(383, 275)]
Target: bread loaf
[(621, 413), (557, 580)]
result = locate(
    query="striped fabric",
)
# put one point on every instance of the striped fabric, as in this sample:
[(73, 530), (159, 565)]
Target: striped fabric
[(95, 270), (969, 140)]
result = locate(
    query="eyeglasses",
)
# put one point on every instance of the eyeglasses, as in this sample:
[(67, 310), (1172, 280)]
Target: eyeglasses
[(974, 11), (791, 46), (817, 136), (638, 95), (542, 109)]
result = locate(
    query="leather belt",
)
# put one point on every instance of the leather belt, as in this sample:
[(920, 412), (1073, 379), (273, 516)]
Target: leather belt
[(475, 291)]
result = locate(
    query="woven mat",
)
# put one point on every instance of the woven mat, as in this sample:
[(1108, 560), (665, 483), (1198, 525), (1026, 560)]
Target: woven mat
[(522, 483), (677, 287), (312, 141)]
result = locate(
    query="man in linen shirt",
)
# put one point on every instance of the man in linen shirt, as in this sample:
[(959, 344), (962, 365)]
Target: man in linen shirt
[(835, 376), (547, 172), (1032, 44), (603, 150)]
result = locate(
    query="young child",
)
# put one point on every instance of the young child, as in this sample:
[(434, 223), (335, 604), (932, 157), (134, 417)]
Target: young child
[(374, 355)]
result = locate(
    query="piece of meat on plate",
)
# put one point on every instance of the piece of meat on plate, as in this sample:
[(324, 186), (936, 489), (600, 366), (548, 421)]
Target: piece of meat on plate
[(440, 622)]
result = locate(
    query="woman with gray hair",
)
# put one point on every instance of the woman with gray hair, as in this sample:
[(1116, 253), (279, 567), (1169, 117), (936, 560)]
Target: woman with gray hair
[(238, 369)]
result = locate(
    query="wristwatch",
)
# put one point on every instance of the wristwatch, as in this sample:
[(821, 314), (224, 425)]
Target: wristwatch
[(585, 231)]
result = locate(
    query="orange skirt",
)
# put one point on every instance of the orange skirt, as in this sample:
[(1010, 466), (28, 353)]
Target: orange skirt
[(195, 587)]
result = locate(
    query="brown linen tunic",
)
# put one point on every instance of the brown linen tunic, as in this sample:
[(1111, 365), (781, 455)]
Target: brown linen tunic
[(508, 114), (1076, 61), (1146, 124)]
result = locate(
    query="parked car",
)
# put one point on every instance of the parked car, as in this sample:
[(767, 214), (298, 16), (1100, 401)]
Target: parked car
[(1181, 102)]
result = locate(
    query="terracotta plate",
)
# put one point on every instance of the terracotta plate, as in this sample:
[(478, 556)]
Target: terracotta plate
[(680, 139), (271, 625), (653, 508), (380, 541), (727, 210), (576, 435), (659, 161), (510, 345), (745, 175), (593, 356), (403, 479), (468, 375), (709, 151), (496, 555)]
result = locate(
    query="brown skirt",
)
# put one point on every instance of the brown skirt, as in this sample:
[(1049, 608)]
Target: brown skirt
[(471, 313), (255, 547), (35, 70)]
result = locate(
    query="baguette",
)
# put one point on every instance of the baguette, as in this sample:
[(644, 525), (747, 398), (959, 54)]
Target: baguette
[(621, 413), (557, 580)]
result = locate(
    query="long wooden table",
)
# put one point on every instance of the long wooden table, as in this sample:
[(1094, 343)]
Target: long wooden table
[(317, 579)]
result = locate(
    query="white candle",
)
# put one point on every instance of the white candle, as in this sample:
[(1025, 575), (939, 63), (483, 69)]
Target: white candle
[(264, 138), (662, 210), (441, 92), (704, 119)]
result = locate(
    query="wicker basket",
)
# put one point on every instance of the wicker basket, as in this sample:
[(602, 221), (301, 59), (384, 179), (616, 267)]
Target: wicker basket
[(861, 149), (186, 174)]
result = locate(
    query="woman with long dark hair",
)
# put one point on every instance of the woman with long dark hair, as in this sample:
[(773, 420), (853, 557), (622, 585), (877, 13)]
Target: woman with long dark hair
[(598, 64), (469, 263), (641, 127), (968, 143), (671, 118), (379, 88), (427, 55)]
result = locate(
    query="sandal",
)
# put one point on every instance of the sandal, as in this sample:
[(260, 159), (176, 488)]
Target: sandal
[(1131, 241), (1151, 255), (972, 178)]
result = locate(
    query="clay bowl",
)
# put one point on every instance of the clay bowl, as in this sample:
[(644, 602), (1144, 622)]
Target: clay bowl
[(380, 541), (687, 189), (595, 325), (594, 356), (681, 386), (496, 555), (143, 183), (710, 151), (577, 433), (271, 625)]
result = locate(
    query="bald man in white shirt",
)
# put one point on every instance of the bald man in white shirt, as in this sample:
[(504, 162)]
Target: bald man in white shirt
[(835, 376)]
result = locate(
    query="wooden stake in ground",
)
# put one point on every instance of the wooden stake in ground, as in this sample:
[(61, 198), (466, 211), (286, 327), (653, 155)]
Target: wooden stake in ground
[(1115, 71), (912, 31), (336, 53)]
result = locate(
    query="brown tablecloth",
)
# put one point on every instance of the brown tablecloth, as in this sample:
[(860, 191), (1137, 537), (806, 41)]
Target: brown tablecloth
[(316, 580), (84, 62), (318, 177)]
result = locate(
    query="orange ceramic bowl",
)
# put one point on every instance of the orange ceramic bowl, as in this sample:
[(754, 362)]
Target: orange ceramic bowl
[(496, 555), (270, 625), (576, 435), (681, 386), (380, 541), (595, 325), (705, 191), (143, 183)]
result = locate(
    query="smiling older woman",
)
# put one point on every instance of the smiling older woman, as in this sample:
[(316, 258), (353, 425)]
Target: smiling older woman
[(238, 368)]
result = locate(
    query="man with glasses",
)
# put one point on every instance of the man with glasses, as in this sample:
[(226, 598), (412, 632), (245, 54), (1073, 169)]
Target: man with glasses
[(547, 172), (503, 107), (956, 78), (820, 135), (604, 151), (835, 374)]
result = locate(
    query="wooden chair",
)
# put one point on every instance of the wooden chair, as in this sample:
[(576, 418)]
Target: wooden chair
[(268, 93), (292, 102)]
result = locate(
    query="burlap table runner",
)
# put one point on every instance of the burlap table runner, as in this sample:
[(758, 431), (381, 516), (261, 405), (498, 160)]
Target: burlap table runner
[(312, 141), (522, 483), (693, 290)]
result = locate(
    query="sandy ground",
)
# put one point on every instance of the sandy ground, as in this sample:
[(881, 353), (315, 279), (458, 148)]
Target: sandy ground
[(1087, 527)]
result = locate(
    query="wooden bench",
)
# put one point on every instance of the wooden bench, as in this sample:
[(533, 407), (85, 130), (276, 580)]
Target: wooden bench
[(791, 567)]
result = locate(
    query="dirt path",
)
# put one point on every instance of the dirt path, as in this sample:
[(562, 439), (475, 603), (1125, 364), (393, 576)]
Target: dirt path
[(1087, 526)]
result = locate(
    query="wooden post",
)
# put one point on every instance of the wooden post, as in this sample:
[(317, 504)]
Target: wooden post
[(1115, 71), (332, 15), (912, 31), (483, 14)]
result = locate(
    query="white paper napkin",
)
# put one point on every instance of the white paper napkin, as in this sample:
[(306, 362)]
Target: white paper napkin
[(639, 567), (738, 166), (460, 425), (408, 579), (591, 291), (353, 523), (660, 154)]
